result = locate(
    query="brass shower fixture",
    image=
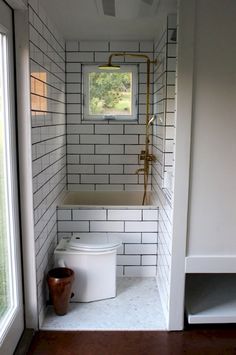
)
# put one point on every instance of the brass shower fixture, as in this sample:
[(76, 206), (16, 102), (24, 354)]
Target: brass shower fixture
[(145, 155)]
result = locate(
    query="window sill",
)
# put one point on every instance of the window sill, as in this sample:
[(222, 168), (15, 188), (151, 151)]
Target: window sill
[(109, 119)]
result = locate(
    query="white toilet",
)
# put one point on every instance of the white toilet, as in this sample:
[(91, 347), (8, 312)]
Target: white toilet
[(93, 259)]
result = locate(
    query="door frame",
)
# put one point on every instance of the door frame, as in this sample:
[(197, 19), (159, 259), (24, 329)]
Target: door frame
[(184, 106), (23, 114), (186, 11)]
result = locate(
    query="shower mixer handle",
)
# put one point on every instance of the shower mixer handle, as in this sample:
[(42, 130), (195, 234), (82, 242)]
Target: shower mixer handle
[(146, 156), (142, 155), (151, 157)]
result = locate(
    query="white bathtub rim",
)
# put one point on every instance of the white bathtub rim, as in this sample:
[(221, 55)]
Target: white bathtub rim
[(94, 205), (105, 207)]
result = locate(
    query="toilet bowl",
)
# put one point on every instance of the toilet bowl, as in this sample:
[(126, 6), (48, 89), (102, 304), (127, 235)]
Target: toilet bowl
[(93, 259)]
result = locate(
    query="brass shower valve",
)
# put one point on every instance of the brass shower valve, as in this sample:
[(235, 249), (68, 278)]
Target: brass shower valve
[(148, 157), (151, 157), (142, 155)]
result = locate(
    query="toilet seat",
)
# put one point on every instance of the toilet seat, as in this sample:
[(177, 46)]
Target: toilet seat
[(93, 243)]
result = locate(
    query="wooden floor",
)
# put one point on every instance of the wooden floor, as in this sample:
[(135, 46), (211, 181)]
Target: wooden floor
[(199, 340)]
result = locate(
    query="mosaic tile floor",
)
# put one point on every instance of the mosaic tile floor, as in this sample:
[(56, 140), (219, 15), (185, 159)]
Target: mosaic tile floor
[(136, 307)]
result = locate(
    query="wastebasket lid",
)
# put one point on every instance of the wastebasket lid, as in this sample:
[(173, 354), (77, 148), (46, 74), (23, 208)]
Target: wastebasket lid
[(93, 242)]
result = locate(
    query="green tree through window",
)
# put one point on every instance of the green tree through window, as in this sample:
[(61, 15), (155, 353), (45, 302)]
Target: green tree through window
[(110, 92)]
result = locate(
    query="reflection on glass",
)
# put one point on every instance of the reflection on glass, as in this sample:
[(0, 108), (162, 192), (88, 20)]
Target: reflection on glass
[(39, 92)]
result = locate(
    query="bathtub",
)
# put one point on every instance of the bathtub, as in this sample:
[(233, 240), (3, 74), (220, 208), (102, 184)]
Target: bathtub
[(120, 214), (106, 198)]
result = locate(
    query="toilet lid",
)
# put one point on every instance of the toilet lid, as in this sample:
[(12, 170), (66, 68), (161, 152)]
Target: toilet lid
[(91, 242)]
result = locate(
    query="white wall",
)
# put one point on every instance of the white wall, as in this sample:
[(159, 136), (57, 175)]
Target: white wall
[(212, 222), (184, 86)]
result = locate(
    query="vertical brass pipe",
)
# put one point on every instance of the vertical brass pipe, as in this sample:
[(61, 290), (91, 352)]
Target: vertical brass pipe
[(147, 156)]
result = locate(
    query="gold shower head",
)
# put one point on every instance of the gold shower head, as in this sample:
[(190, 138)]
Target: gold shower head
[(109, 66)]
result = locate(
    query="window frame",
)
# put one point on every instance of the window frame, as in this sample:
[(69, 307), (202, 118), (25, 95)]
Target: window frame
[(86, 70)]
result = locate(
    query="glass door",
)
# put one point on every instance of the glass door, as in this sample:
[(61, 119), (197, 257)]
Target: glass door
[(11, 307)]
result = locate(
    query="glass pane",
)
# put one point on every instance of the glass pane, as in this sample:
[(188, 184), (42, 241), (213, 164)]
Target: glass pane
[(6, 288), (110, 94)]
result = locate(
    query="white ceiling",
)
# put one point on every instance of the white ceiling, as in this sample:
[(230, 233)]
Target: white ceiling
[(80, 19)]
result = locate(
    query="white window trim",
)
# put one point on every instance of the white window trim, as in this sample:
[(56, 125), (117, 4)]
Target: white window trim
[(85, 93), (25, 167)]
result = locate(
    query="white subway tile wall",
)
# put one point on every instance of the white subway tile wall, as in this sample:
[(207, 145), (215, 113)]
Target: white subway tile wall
[(138, 254), (100, 156), (164, 107), (103, 155), (163, 148), (47, 69)]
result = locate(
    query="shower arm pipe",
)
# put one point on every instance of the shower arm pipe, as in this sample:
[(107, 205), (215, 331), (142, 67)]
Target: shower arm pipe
[(127, 54), (147, 157)]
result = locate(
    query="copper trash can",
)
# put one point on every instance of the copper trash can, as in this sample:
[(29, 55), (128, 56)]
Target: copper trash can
[(60, 283)]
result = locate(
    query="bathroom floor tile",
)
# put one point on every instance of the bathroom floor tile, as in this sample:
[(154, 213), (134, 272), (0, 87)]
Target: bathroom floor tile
[(136, 307)]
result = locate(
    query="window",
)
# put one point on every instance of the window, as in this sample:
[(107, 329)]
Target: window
[(110, 94), (11, 306)]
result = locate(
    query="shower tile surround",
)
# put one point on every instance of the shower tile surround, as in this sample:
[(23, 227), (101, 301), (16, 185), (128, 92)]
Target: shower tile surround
[(164, 108), (104, 155), (92, 156), (136, 227), (47, 69), (164, 97)]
